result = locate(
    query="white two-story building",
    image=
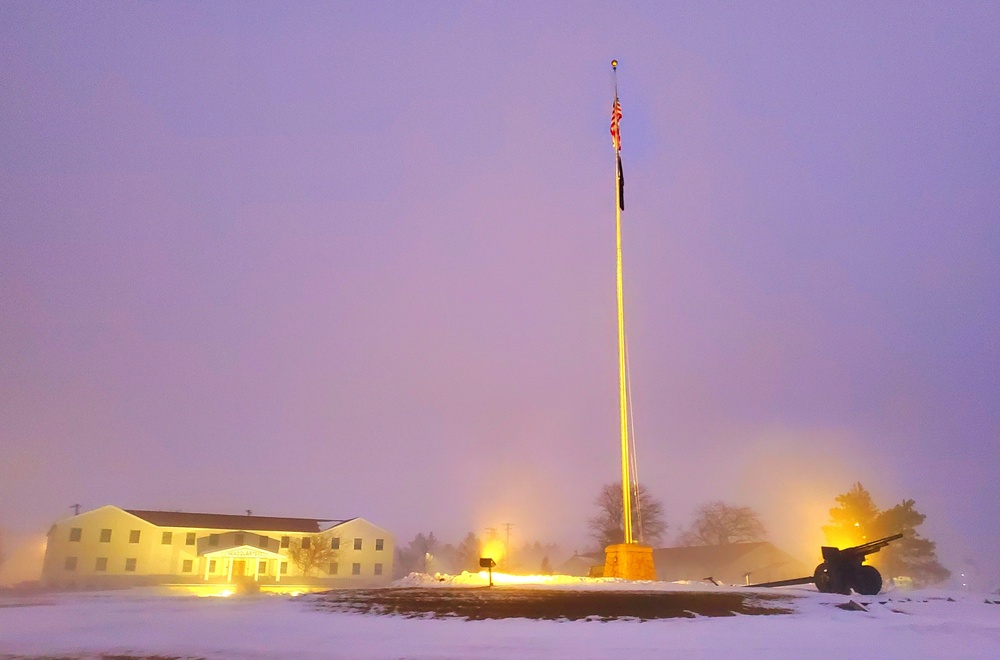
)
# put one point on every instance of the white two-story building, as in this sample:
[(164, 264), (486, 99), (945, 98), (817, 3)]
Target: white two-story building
[(113, 547)]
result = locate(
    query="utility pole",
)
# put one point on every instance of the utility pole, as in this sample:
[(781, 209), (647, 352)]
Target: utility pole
[(506, 550)]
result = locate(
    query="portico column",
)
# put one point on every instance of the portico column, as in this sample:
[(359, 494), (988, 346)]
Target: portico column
[(208, 564), (256, 568), (230, 569)]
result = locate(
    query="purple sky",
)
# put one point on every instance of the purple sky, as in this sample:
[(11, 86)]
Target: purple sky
[(358, 260)]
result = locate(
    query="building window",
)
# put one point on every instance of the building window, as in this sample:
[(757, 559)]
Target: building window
[(355, 569), (168, 538), (335, 543), (75, 533), (262, 567), (357, 544), (378, 569), (262, 541), (306, 542), (101, 565), (70, 564), (213, 539), (130, 564), (187, 566), (284, 541), (211, 565), (133, 536), (334, 567), (190, 539), (105, 536), (238, 539), (379, 544), (284, 568)]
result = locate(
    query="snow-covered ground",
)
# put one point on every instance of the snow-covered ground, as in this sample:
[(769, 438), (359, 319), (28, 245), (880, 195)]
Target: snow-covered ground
[(912, 624)]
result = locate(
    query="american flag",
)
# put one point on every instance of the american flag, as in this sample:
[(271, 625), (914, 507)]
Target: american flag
[(616, 117)]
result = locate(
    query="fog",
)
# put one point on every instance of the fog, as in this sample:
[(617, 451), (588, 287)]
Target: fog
[(359, 261)]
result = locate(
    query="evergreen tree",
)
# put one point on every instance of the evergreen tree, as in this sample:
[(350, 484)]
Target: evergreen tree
[(447, 559), (858, 520), (853, 521), (532, 553), (469, 552), (417, 556), (912, 555)]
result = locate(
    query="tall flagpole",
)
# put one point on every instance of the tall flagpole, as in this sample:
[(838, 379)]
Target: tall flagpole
[(616, 114)]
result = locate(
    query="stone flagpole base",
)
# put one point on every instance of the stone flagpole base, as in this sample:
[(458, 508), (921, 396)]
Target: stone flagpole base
[(629, 561)]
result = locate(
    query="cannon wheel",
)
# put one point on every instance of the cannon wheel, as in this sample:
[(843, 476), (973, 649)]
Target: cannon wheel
[(867, 580), (825, 579)]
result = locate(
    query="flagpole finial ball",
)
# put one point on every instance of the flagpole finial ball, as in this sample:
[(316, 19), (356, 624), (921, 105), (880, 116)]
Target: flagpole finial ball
[(614, 64)]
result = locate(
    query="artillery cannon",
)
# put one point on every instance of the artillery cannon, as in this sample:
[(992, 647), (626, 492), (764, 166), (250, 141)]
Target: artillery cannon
[(843, 570)]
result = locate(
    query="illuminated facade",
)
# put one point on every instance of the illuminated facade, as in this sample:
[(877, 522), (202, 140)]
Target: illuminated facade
[(112, 547)]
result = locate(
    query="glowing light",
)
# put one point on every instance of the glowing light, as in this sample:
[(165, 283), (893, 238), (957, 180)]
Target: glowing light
[(506, 578), (841, 540), (494, 549)]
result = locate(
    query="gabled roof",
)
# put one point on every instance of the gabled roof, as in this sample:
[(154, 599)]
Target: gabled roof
[(710, 554), (730, 563), (227, 521), (337, 523), (703, 554), (230, 543)]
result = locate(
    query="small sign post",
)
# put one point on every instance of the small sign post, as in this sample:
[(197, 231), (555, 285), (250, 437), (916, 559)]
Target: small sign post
[(487, 562)]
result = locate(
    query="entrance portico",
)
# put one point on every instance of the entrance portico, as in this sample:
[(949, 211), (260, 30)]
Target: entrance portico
[(239, 558)]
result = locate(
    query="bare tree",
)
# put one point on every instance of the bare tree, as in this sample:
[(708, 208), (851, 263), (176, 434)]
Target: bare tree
[(718, 523), (608, 526), (311, 552)]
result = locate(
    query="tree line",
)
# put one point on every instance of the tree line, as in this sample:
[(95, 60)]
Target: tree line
[(426, 554), (856, 520)]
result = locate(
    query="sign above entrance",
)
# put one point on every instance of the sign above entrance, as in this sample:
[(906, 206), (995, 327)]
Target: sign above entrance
[(243, 551)]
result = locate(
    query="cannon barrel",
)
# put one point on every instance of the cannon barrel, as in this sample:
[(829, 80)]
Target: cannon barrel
[(858, 551)]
